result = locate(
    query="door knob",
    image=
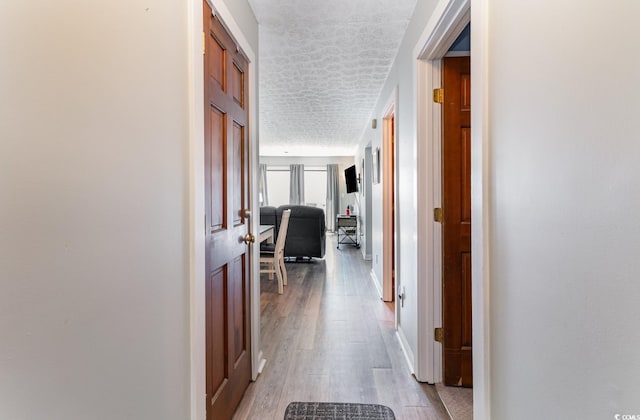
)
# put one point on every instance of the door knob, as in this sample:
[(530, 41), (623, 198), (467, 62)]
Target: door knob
[(249, 238)]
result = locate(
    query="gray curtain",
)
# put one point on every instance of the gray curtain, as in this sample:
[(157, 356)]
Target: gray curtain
[(296, 186), (333, 196), (262, 186)]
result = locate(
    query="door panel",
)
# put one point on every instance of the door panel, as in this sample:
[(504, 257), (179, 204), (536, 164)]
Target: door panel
[(238, 179), (456, 228), (388, 212), (217, 169), (237, 84), (239, 311), (217, 319), (216, 61), (465, 91), (466, 300), (465, 178), (228, 361)]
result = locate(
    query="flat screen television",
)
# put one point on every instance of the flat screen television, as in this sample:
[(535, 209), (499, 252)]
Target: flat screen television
[(351, 178)]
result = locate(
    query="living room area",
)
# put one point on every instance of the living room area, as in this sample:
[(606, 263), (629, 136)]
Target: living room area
[(314, 185)]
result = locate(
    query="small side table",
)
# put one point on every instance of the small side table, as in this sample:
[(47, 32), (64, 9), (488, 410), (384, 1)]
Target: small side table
[(347, 228)]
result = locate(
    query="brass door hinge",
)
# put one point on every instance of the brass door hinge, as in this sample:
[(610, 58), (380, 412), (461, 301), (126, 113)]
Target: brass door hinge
[(438, 215), (438, 335), (438, 95)]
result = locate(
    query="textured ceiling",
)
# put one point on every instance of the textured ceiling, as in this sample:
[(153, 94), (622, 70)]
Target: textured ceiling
[(323, 64)]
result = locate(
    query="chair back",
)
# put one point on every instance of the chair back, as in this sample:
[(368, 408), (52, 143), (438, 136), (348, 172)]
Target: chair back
[(282, 233)]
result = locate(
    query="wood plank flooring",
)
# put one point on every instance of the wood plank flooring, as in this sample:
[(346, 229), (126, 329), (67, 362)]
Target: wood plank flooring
[(329, 337)]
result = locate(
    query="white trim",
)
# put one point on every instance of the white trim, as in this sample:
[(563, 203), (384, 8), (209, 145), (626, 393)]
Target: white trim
[(196, 200), (376, 282), (429, 360), (406, 349), (424, 371), (436, 270), (262, 360), (196, 213), (480, 208)]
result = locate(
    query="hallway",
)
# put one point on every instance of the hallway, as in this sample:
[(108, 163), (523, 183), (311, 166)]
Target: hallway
[(329, 337)]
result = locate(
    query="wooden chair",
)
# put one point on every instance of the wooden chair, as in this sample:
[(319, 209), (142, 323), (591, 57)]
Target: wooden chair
[(272, 261)]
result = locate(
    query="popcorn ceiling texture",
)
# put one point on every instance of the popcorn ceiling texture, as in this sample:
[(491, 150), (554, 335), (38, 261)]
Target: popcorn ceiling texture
[(323, 64)]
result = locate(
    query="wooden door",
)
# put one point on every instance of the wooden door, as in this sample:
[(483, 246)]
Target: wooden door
[(388, 197), (228, 355), (456, 228)]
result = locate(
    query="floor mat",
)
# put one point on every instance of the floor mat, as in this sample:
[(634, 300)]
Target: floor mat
[(337, 411)]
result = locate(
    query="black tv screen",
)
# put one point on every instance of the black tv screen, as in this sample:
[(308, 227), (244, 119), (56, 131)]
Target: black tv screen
[(351, 178)]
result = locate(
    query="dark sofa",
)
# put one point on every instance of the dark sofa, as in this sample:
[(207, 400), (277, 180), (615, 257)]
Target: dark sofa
[(306, 235)]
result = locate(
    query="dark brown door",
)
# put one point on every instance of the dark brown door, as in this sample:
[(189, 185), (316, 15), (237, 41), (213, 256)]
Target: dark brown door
[(456, 228), (228, 355), (388, 194)]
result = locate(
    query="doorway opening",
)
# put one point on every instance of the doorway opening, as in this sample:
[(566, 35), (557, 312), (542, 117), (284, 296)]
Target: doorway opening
[(440, 34)]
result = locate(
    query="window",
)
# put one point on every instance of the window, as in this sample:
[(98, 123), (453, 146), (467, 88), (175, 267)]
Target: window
[(278, 185), (315, 186)]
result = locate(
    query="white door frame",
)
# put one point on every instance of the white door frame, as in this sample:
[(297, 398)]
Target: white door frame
[(448, 20), (196, 200), (446, 23)]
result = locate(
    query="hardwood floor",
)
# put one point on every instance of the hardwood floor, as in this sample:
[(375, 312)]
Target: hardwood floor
[(329, 337)]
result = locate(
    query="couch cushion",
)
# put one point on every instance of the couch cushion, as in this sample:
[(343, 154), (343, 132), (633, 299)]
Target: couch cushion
[(306, 232)]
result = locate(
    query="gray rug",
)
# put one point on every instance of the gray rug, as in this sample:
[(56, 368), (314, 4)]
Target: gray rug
[(337, 411)]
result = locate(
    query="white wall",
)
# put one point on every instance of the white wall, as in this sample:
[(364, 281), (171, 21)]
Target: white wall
[(94, 223), (565, 196), (401, 77), (94, 303)]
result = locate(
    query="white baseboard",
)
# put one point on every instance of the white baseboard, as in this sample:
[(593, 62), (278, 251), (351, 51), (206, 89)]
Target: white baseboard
[(404, 344), (261, 362), (376, 283)]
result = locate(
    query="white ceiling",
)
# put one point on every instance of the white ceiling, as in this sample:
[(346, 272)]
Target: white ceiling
[(323, 64)]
